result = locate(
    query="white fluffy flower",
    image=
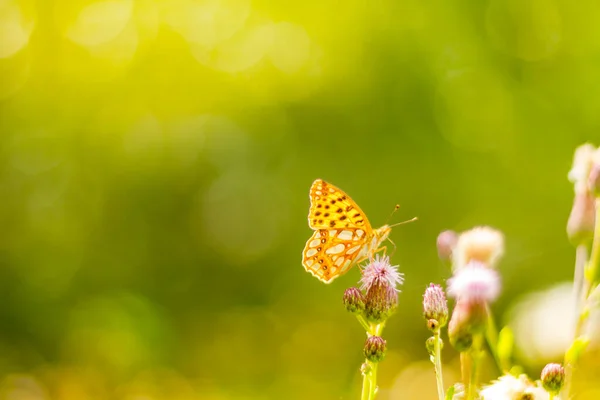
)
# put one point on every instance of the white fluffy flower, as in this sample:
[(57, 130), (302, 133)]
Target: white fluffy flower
[(482, 244), (509, 387), (582, 163), (475, 282)]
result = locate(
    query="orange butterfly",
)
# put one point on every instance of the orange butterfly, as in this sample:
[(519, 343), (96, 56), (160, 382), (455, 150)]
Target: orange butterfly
[(343, 235)]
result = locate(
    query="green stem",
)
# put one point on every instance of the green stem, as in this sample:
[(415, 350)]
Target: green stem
[(491, 336), (366, 384), (364, 323), (438, 364), (475, 355), (373, 381)]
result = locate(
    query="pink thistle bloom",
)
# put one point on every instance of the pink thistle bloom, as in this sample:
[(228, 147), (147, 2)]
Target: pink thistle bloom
[(380, 272), (475, 283)]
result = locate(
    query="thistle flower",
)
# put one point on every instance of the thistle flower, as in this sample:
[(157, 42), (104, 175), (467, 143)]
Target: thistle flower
[(553, 377), (482, 244), (379, 280), (354, 300), (475, 283), (435, 306), (446, 241), (375, 348), (513, 388)]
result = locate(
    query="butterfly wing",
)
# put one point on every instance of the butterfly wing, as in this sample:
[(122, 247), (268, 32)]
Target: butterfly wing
[(331, 208), (330, 253)]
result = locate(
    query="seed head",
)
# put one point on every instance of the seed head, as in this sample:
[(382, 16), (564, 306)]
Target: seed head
[(435, 306), (375, 348)]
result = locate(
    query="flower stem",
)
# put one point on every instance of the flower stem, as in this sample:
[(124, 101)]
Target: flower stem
[(475, 355), (366, 384), (438, 364), (491, 336), (373, 381)]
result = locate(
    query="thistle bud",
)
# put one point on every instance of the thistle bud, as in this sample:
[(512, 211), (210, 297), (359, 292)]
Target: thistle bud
[(435, 307), (380, 302), (354, 300), (553, 377), (468, 318), (375, 348), (445, 244), (379, 281)]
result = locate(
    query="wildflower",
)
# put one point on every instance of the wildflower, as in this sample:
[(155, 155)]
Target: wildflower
[(553, 377), (473, 286), (482, 244), (380, 271), (593, 180), (474, 282), (354, 300), (379, 280), (446, 241), (512, 387), (435, 306), (375, 348)]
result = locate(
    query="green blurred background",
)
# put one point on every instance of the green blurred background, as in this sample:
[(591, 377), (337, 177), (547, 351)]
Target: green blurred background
[(155, 162)]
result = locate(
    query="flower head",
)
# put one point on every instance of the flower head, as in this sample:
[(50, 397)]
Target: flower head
[(553, 377), (512, 387), (374, 349), (482, 244), (380, 271), (379, 281), (475, 283), (435, 306), (354, 300)]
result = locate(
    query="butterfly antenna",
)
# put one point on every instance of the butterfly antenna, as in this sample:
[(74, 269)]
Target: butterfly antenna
[(392, 213), (404, 222)]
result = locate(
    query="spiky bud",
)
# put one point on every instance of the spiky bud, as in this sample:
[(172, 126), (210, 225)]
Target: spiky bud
[(553, 377), (354, 301), (468, 318), (435, 307), (379, 280), (375, 348)]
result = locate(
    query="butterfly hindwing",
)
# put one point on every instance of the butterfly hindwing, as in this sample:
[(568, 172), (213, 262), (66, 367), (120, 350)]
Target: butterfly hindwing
[(330, 253)]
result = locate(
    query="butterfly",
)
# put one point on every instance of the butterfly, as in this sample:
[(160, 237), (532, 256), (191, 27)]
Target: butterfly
[(343, 235)]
